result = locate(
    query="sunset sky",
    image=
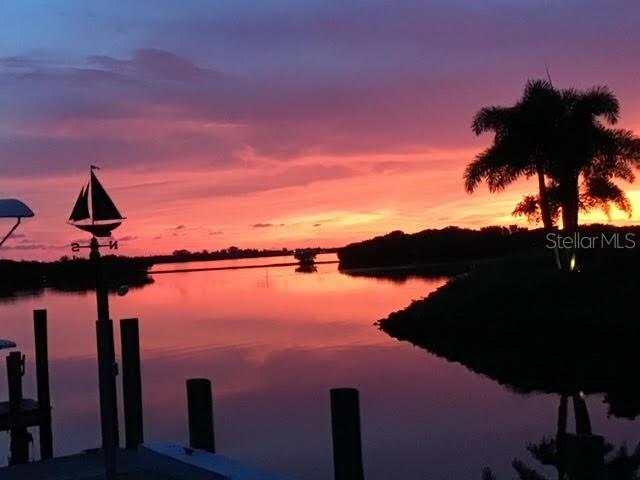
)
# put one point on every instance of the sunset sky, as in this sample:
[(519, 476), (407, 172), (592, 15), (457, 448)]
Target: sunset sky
[(280, 123)]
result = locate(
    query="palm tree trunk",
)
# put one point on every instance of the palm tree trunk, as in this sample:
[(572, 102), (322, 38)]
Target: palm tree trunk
[(560, 437), (570, 208), (583, 422), (570, 203), (545, 211)]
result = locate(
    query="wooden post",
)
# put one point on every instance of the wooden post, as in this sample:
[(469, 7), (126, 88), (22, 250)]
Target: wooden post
[(347, 442), (200, 410), (14, 376), (107, 369), (108, 396), (131, 382), (42, 379), (20, 437)]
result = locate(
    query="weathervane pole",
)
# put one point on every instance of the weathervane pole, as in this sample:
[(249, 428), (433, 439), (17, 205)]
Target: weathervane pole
[(107, 367), (95, 212)]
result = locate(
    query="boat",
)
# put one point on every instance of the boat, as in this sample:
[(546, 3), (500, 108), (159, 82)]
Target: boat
[(94, 211), (306, 256)]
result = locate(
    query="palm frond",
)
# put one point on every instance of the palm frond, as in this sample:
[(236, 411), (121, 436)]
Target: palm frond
[(599, 101), (529, 207), (545, 451), (492, 119), (475, 172), (600, 192), (487, 474), (525, 472), (535, 88), (623, 465)]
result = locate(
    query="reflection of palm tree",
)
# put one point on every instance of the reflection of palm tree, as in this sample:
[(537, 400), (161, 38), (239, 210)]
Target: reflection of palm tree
[(561, 432), (552, 452), (581, 413)]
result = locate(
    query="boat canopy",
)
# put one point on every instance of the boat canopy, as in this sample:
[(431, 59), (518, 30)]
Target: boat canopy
[(12, 208)]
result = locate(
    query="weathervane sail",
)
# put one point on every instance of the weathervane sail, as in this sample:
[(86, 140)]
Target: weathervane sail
[(94, 211)]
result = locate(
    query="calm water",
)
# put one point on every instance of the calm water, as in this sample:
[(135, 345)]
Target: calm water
[(274, 342)]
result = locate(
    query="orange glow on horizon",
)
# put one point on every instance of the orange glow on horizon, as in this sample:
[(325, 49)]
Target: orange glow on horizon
[(192, 210)]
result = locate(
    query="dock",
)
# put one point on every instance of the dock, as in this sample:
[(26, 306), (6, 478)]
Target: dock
[(140, 460), (162, 461)]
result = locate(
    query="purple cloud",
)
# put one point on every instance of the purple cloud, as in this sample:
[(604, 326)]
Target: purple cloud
[(338, 80), (156, 64)]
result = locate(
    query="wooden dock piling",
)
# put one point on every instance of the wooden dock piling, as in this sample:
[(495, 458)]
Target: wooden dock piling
[(19, 413), (108, 396), (20, 437), (14, 377), (131, 383), (347, 442), (42, 381), (200, 411)]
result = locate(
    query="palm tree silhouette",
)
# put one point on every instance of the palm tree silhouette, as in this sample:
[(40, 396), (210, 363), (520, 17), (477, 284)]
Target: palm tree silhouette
[(519, 134), (564, 138), (584, 155)]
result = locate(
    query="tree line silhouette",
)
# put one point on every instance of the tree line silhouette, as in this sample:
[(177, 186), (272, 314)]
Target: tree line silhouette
[(454, 249), (70, 274)]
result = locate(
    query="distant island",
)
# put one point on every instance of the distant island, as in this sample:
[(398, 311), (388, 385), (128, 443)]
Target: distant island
[(76, 274), (231, 253)]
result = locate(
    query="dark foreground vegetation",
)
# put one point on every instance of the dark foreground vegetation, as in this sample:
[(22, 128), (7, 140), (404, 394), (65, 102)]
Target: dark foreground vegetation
[(77, 274), (527, 325), (70, 275)]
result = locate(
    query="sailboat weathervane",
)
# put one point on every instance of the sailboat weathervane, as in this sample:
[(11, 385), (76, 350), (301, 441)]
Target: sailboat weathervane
[(94, 211)]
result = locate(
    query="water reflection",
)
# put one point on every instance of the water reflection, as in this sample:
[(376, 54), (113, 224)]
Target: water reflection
[(274, 342), (580, 455), (553, 355), (307, 268)]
